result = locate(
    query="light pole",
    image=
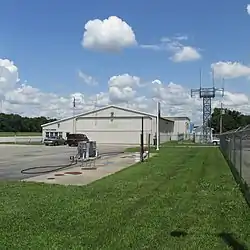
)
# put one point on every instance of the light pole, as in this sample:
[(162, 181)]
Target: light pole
[(158, 126), (158, 112), (74, 105)]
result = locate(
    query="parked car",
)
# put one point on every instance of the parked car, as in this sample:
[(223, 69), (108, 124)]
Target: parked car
[(54, 141), (73, 139), (216, 141)]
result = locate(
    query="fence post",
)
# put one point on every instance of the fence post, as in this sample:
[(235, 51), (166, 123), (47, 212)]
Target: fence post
[(142, 142), (148, 145), (240, 155), (234, 152)]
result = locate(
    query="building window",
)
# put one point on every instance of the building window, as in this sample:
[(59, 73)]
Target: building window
[(58, 125), (47, 134), (60, 135)]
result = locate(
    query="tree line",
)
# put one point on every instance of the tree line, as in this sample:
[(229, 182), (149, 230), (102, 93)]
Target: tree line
[(17, 123), (232, 119)]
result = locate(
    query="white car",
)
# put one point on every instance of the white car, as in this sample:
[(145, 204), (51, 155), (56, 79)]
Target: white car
[(216, 141)]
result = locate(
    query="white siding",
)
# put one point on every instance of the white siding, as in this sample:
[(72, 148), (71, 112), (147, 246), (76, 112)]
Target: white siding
[(125, 126), (124, 130), (64, 127), (166, 129)]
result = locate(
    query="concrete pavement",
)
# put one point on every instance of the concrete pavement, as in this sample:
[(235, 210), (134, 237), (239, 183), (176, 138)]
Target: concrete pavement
[(77, 175), (14, 158)]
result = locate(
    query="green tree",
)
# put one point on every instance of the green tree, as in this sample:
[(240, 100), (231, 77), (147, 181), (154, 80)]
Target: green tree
[(17, 123), (232, 119)]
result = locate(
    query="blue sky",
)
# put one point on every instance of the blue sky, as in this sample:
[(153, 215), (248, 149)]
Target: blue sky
[(43, 38)]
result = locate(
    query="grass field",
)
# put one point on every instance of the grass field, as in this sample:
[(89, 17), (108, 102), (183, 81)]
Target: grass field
[(10, 134), (189, 190)]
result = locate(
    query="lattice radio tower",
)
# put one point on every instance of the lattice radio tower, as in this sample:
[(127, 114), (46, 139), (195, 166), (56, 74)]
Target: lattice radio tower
[(207, 94)]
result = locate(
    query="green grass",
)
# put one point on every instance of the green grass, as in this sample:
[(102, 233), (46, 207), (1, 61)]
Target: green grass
[(168, 144), (187, 189), (137, 149), (10, 134)]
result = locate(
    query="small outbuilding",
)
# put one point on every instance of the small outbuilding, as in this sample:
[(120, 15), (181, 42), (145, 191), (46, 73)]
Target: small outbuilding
[(182, 128), (111, 125)]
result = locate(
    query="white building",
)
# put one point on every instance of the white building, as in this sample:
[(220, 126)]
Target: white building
[(198, 134), (181, 127), (111, 124)]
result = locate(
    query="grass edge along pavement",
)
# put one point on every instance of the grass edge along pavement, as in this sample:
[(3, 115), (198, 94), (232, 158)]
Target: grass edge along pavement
[(181, 189), (25, 134), (23, 143)]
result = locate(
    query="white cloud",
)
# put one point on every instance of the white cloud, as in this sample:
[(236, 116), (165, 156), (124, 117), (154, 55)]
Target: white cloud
[(89, 80), (230, 69), (112, 34), (179, 51), (124, 90), (8, 76), (124, 81), (186, 53), (235, 99), (248, 9)]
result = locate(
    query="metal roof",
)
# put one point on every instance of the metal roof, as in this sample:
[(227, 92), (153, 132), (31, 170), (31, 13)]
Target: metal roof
[(178, 118), (101, 109)]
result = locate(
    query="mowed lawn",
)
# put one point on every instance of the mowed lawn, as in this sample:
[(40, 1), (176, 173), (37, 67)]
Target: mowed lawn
[(10, 134), (182, 189)]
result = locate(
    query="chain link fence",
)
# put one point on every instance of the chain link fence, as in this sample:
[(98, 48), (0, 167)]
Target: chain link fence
[(235, 146)]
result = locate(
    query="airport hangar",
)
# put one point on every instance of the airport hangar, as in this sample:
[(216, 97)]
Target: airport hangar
[(116, 125)]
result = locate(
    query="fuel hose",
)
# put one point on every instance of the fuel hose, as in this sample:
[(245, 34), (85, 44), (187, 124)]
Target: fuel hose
[(53, 168)]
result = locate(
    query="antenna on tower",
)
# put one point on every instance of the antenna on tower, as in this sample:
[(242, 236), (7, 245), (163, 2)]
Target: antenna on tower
[(213, 77), (223, 86), (200, 77)]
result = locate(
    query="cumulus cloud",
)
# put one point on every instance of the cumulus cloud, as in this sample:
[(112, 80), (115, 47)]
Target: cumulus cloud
[(89, 80), (179, 51), (112, 34), (230, 70), (8, 76), (123, 90), (248, 9), (186, 53)]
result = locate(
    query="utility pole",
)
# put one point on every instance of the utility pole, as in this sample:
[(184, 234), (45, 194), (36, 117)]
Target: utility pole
[(95, 105), (74, 105), (142, 139), (158, 125), (222, 111)]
